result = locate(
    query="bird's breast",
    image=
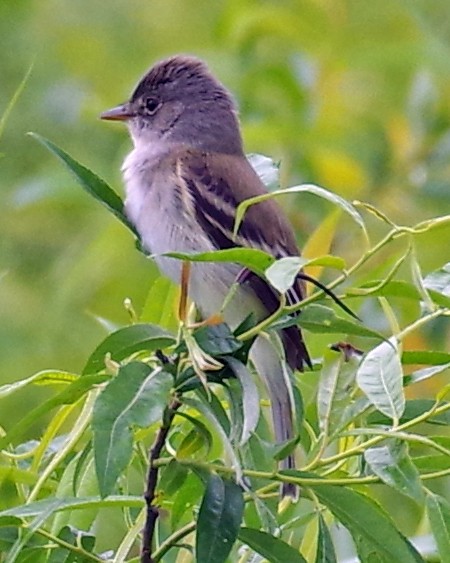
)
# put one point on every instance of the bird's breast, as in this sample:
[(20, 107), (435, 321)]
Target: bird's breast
[(164, 216)]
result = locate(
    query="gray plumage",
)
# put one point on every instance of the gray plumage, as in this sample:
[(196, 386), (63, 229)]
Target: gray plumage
[(184, 179)]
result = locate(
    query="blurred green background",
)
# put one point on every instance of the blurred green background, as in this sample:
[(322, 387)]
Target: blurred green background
[(351, 95)]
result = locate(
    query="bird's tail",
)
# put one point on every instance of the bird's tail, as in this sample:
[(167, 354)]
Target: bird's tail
[(266, 355)]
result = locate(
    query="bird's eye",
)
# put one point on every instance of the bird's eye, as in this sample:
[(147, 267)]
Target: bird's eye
[(151, 105)]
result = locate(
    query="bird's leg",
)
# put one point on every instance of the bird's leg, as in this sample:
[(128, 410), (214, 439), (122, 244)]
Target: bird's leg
[(182, 306), (183, 311)]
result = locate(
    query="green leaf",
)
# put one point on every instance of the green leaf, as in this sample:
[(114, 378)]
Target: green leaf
[(271, 548), (438, 510), (138, 396), (350, 413), (161, 304), (191, 444), (127, 341), (431, 463), (321, 319), (217, 339), (188, 495), (95, 186), (425, 373), (68, 396), (380, 377), (393, 288), (309, 188), (325, 548), (392, 464), (51, 505), (336, 378), (283, 273), (219, 520), (14, 99), (427, 357), (250, 398), (172, 478), (208, 410), (363, 517), (252, 258), (200, 430)]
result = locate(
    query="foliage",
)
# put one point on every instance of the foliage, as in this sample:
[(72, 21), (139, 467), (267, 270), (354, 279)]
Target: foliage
[(213, 482)]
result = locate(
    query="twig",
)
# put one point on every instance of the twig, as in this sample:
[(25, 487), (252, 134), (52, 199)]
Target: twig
[(152, 481)]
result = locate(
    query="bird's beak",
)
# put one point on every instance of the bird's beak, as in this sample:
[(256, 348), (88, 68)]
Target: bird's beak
[(119, 113)]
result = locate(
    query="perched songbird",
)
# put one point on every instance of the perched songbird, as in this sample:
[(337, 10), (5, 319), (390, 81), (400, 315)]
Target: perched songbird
[(184, 179)]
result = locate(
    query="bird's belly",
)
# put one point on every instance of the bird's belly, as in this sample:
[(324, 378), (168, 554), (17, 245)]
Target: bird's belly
[(164, 228)]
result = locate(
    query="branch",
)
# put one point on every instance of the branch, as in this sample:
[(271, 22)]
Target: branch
[(152, 481)]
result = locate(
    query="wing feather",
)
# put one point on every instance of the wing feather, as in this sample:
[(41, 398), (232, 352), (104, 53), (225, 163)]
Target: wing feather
[(207, 180)]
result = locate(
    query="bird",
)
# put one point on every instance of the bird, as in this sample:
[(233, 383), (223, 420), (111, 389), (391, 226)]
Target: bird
[(185, 177)]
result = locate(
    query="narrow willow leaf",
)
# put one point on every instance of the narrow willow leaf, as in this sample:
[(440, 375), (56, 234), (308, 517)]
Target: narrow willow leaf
[(431, 463), (363, 517), (95, 186), (200, 430), (160, 307), (209, 412), (394, 288), (126, 341), (46, 377), (70, 394), (271, 548), (429, 357), (425, 373), (13, 553), (392, 464), (250, 398), (321, 319), (172, 478), (333, 395), (187, 496), (438, 510), (427, 302), (252, 258), (309, 188), (349, 414), (138, 396), (283, 273), (325, 548), (217, 339), (380, 377), (52, 505), (219, 520), (327, 261), (193, 443), (15, 97)]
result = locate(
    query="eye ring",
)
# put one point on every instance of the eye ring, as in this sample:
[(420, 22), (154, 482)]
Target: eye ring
[(151, 105)]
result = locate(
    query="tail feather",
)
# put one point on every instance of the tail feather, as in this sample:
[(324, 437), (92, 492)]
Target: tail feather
[(269, 365)]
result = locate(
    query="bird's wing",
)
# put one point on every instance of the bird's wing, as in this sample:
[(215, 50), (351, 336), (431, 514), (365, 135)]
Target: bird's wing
[(216, 185)]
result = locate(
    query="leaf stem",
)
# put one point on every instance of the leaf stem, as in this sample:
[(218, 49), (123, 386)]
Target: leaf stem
[(375, 440), (170, 541)]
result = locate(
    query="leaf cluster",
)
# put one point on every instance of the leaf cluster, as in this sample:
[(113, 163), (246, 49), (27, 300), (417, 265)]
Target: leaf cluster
[(191, 395)]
